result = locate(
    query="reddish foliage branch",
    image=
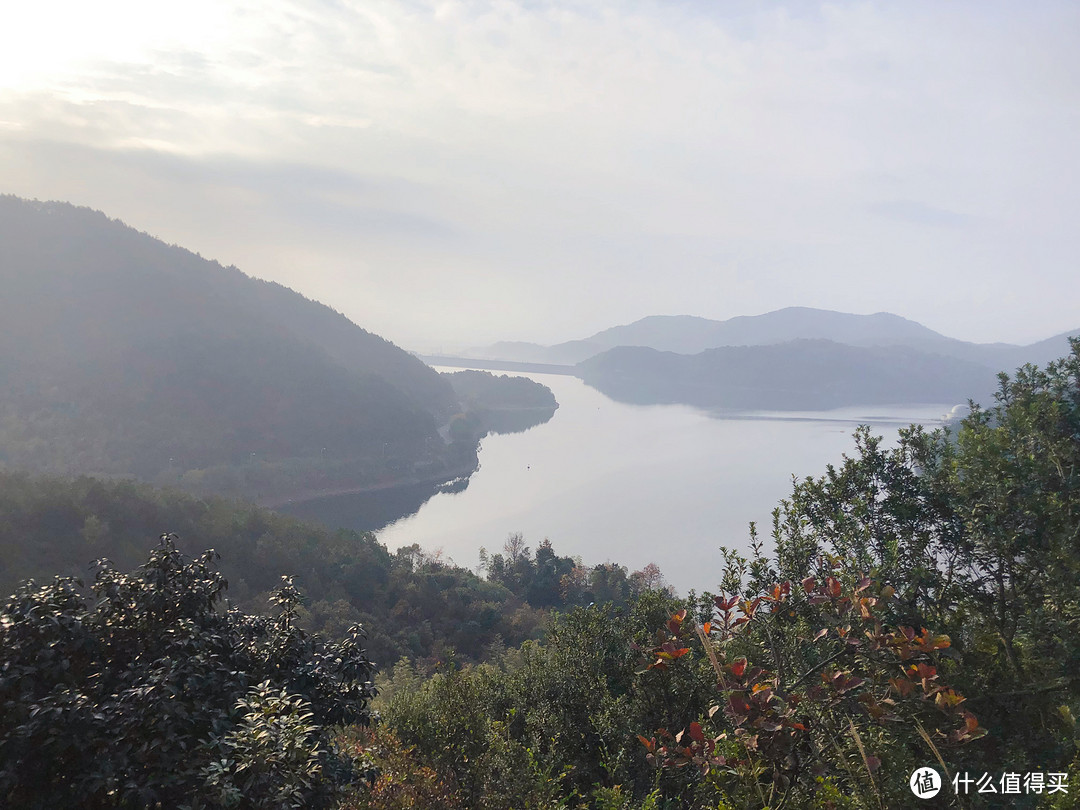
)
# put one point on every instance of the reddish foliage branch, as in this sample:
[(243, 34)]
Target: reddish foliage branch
[(784, 717)]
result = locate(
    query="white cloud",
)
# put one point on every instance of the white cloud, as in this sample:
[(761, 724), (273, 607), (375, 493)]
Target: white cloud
[(543, 169)]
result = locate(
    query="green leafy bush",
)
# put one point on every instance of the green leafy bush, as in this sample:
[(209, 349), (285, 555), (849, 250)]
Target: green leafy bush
[(151, 694), (402, 781), (552, 724)]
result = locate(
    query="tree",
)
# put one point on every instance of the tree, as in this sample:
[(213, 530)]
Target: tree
[(152, 692), (649, 578), (978, 530), (953, 557)]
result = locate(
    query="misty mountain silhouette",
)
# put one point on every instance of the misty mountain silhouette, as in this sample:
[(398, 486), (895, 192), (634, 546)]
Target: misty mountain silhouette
[(687, 334), (797, 375), (122, 355)]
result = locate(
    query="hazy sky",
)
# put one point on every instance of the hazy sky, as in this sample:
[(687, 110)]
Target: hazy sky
[(454, 173)]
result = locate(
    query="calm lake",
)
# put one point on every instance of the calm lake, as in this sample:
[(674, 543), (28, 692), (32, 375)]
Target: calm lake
[(627, 483)]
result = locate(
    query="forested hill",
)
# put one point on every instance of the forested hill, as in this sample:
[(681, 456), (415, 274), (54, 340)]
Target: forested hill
[(120, 354), (412, 604), (799, 375)]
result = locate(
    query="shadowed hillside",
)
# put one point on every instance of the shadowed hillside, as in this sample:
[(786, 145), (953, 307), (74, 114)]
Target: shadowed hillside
[(122, 355), (800, 375)]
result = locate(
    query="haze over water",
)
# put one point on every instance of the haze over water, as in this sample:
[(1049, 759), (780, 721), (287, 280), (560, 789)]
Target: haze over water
[(636, 484)]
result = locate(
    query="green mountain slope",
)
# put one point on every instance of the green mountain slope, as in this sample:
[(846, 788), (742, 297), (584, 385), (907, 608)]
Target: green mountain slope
[(125, 356)]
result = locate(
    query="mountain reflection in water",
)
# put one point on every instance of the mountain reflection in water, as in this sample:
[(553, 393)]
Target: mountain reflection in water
[(630, 484)]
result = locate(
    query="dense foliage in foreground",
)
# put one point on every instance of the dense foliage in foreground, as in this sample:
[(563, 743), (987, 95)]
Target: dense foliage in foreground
[(150, 694)]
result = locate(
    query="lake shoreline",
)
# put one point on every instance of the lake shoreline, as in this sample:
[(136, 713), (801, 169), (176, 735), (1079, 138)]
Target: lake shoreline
[(503, 419), (306, 497)]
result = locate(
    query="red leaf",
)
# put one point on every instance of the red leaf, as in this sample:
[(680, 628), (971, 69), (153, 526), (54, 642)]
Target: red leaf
[(738, 706), (903, 686), (851, 683), (675, 623), (725, 604), (738, 667), (696, 733)]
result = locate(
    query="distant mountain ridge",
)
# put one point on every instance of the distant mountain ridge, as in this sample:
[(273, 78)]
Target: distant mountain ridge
[(688, 334), (796, 358)]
